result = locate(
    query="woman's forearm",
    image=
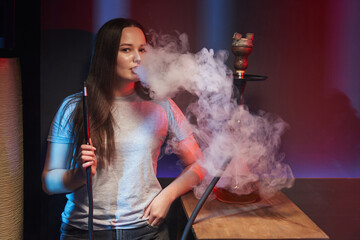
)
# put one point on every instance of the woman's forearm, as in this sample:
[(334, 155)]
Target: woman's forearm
[(63, 180), (190, 155), (184, 183)]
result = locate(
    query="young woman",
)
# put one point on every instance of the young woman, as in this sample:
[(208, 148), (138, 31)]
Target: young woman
[(127, 130)]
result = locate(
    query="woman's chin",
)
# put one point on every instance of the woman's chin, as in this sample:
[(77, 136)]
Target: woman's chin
[(136, 78)]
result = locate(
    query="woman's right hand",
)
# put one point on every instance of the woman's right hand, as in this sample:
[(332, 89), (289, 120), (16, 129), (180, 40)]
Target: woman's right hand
[(57, 177), (87, 158)]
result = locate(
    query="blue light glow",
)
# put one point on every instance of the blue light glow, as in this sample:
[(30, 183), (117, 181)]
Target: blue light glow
[(104, 10)]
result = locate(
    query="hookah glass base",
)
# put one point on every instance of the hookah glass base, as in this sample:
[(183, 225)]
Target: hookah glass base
[(227, 196)]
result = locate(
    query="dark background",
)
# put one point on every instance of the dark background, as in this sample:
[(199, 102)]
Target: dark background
[(308, 50)]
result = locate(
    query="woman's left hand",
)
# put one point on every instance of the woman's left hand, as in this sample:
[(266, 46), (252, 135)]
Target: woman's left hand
[(158, 208)]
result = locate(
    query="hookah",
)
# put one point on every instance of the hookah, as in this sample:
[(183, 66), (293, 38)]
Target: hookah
[(88, 173), (241, 48)]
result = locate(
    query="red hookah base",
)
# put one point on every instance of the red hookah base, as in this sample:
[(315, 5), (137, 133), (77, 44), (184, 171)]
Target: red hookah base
[(224, 195)]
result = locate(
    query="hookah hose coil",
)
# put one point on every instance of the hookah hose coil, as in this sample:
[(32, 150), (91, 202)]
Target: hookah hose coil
[(203, 199), (88, 173)]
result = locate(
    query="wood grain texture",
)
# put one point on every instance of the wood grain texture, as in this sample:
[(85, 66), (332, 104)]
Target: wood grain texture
[(275, 218), (11, 151)]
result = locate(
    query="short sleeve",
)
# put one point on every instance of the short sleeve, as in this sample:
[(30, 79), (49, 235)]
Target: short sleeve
[(61, 130), (178, 124)]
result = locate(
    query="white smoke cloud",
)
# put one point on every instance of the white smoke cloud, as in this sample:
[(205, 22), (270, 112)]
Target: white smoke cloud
[(223, 129)]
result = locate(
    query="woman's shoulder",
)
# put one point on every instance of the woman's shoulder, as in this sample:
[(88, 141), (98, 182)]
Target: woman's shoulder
[(171, 108), (71, 101), (61, 127), (165, 103), (73, 98), (68, 105)]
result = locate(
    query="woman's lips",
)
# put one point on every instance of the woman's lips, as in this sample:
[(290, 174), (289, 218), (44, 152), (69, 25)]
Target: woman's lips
[(133, 69)]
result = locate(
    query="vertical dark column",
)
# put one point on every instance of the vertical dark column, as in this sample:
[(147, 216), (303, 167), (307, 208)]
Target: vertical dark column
[(27, 46), (7, 23)]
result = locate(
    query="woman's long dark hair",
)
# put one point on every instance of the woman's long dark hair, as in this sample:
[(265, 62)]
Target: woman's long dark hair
[(101, 83)]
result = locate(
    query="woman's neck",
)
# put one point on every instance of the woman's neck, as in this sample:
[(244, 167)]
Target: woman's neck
[(125, 89)]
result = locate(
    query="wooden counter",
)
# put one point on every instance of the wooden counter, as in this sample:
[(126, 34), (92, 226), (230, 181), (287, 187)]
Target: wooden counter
[(275, 218)]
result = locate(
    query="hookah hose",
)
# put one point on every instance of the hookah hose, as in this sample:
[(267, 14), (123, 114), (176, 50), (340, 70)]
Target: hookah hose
[(202, 200), (88, 173)]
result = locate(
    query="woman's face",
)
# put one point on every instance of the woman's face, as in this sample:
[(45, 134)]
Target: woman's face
[(132, 46)]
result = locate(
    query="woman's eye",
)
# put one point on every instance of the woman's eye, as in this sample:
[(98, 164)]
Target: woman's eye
[(142, 50), (125, 49)]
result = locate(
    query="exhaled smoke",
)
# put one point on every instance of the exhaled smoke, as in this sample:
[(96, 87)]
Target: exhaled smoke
[(223, 129)]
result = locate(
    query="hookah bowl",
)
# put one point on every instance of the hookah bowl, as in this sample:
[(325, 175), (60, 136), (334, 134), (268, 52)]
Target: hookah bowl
[(241, 48)]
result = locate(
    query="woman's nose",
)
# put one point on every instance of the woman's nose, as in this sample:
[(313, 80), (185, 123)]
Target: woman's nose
[(137, 57)]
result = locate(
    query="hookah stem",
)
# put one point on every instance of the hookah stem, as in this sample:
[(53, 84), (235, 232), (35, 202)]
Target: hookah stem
[(88, 174), (243, 85), (202, 200)]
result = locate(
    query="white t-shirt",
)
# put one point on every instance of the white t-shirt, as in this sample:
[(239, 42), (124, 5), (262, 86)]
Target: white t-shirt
[(122, 190)]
